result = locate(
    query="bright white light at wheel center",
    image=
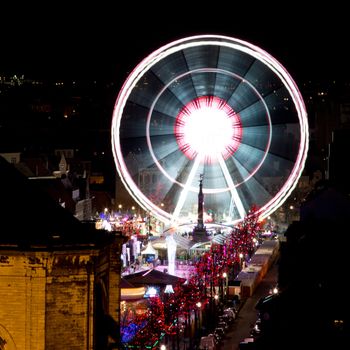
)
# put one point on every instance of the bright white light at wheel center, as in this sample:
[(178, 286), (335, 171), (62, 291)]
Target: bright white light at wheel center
[(208, 126), (208, 131)]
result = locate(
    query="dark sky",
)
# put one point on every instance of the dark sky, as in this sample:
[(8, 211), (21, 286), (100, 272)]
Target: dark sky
[(99, 41)]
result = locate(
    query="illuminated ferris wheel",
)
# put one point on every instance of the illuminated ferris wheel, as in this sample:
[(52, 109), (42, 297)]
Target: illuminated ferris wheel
[(216, 107)]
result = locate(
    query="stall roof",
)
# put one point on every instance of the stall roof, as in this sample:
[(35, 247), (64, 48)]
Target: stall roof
[(153, 277)]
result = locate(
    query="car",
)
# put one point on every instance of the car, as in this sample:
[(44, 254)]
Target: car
[(225, 318), (247, 343), (220, 332), (230, 312), (222, 324), (256, 331), (207, 343)]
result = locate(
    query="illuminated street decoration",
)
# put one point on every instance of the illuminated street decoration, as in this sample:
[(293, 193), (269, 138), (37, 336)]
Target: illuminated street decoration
[(211, 105), (151, 292), (171, 248), (169, 289)]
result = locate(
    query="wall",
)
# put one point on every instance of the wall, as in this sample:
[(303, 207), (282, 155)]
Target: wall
[(46, 300), (69, 301), (22, 299)]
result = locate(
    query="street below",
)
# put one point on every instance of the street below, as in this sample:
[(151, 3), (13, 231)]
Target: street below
[(247, 315)]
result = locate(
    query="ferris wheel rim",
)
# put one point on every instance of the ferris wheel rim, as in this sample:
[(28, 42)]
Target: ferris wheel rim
[(232, 43)]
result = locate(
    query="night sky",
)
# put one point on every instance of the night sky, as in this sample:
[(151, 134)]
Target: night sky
[(96, 41)]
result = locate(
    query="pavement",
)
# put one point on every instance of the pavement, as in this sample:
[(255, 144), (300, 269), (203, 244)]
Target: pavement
[(247, 315)]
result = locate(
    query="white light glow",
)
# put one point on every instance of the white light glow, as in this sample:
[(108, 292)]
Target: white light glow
[(151, 292), (209, 126), (171, 246), (169, 289)]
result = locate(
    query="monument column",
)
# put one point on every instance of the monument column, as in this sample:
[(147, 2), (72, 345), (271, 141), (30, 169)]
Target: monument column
[(199, 232)]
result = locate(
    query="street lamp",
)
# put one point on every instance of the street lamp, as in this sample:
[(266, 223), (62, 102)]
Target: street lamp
[(225, 280), (149, 224), (198, 319), (241, 259)]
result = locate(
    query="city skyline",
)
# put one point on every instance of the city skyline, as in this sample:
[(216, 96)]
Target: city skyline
[(96, 43)]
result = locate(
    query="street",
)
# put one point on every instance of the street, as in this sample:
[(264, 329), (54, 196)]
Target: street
[(248, 315)]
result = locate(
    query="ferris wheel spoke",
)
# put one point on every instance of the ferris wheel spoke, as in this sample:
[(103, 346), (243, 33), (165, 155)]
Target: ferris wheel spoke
[(183, 195), (254, 113), (249, 157), (183, 88), (254, 185), (234, 194), (205, 83), (169, 153), (201, 73), (239, 82), (224, 86), (254, 144), (238, 86)]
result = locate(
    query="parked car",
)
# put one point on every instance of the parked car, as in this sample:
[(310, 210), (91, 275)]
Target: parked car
[(223, 325), (256, 331), (207, 343), (220, 332), (230, 312), (247, 343), (225, 318)]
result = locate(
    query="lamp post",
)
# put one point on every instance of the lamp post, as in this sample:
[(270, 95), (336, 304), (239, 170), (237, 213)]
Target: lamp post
[(215, 311), (198, 312), (225, 277), (241, 260), (149, 224)]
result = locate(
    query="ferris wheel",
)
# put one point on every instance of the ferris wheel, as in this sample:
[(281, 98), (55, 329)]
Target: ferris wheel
[(216, 107)]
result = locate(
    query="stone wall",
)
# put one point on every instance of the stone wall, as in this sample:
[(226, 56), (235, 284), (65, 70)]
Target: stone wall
[(69, 301), (61, 299), (22, 299), (46, 300)]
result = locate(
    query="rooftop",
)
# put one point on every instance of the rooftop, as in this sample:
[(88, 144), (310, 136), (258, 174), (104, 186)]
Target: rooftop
[(33, 220)]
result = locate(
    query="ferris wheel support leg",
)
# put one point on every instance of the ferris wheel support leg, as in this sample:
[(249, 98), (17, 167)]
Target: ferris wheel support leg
[(184, 192), (235, 197)]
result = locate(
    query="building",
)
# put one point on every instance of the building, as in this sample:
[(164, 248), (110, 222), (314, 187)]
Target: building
[(59, 278), (339, 158), (310, 310)]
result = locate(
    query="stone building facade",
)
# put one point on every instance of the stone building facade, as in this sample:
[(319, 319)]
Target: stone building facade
[(59, 277), (49, 299)]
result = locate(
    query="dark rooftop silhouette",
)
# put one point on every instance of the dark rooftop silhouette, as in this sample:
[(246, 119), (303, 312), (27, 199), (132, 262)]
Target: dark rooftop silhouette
[(33, 218)]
